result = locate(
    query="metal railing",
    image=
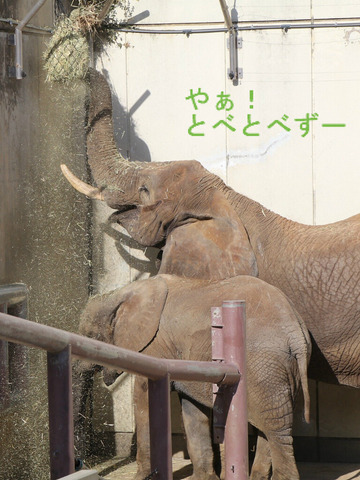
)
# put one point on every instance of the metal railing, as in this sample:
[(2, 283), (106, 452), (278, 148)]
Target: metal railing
[(225, 372), (13, 357)]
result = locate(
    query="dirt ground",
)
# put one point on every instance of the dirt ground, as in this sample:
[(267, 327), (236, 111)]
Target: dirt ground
[(182, 469)]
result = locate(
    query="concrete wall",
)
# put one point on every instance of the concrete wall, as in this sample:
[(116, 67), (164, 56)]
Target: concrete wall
[(46, 228), (310, 178), (43, 235)]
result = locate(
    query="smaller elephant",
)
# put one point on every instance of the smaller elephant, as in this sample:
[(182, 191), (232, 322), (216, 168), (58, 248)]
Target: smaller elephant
[(169, 317)]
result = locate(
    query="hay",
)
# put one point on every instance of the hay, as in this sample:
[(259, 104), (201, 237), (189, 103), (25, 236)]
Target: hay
[(67, 55)]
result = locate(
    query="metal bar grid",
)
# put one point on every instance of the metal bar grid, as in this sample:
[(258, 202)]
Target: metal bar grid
[(60, 345), (13, 297), (54, 340)]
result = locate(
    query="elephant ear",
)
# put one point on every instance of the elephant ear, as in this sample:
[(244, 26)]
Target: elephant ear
[(137, 318)]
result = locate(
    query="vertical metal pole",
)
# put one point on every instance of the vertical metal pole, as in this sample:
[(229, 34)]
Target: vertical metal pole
[(4, 368), (217, 346), (61, 428), (19, 362), (160, 428), (236, 428), (18, 39)]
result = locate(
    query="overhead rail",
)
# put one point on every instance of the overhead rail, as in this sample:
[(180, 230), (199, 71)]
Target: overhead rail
[(19, 72), (238, 27), (234, 72), (62, 345), (12, 22)]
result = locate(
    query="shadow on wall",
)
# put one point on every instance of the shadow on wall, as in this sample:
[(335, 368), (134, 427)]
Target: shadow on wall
[(122, 242), (128, 142), (132, 147)]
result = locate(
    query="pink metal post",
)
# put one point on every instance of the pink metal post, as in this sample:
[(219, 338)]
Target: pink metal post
[(160, 428), (217, 345), (236, 428), (61, 345), (61, 429), (4, 369)]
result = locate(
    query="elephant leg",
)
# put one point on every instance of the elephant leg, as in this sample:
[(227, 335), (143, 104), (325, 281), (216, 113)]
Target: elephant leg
[(84, 436), (197, 428), (141, 407), (261, 468), (282, 457)]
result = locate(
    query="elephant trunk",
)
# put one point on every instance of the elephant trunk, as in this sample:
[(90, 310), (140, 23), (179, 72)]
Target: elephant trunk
[(110, 170), (83, 376)]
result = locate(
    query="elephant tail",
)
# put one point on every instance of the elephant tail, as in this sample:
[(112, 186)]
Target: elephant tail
[(302, 361), (302, 352)]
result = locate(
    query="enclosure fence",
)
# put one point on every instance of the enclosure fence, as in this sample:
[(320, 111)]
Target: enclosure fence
[(230, 414)]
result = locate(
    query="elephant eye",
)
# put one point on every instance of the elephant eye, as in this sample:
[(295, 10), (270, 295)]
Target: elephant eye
[(144, 194)]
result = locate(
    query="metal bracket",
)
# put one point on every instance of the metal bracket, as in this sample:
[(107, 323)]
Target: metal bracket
[(234, 43), (17, 42), (239, 42), (11, 71), (11, 40), (234, 73)]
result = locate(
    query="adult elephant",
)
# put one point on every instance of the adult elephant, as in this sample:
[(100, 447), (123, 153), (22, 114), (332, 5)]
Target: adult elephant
[(317, 267)]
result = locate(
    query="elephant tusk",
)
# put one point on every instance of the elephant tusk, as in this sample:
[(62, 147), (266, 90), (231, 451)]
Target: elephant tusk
[(81, 186)]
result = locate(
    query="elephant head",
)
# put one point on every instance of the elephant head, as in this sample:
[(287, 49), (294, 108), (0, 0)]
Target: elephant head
[(128, 317), (150, 199)]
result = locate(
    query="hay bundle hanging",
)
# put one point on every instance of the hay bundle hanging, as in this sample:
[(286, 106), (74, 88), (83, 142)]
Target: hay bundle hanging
[(67, 56)]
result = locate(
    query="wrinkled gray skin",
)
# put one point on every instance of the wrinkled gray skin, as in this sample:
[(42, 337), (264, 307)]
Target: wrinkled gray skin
[(317, 267), (163, 317)]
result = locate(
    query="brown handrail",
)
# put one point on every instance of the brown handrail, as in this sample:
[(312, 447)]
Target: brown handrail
[(62, 345), (54, 340)]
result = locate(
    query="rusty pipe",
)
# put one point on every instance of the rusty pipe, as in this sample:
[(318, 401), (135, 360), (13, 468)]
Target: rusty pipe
[(236, 428), (54, 340), (18, 38), (227, 18)]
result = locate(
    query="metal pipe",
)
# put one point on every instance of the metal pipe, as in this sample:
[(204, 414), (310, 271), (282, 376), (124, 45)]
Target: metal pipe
[(12, 21), (217, 346), (4, 366), (185, 31), (18, 39), (160, 428), (226, 14), (289, 26), (13, 294), (239, 28), (53, 340), (236, 427), (61, 427), (105, 10)]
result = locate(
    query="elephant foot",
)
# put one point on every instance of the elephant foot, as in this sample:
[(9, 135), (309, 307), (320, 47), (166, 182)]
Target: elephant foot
[(142, 474), (203, 476), (259, 476)]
